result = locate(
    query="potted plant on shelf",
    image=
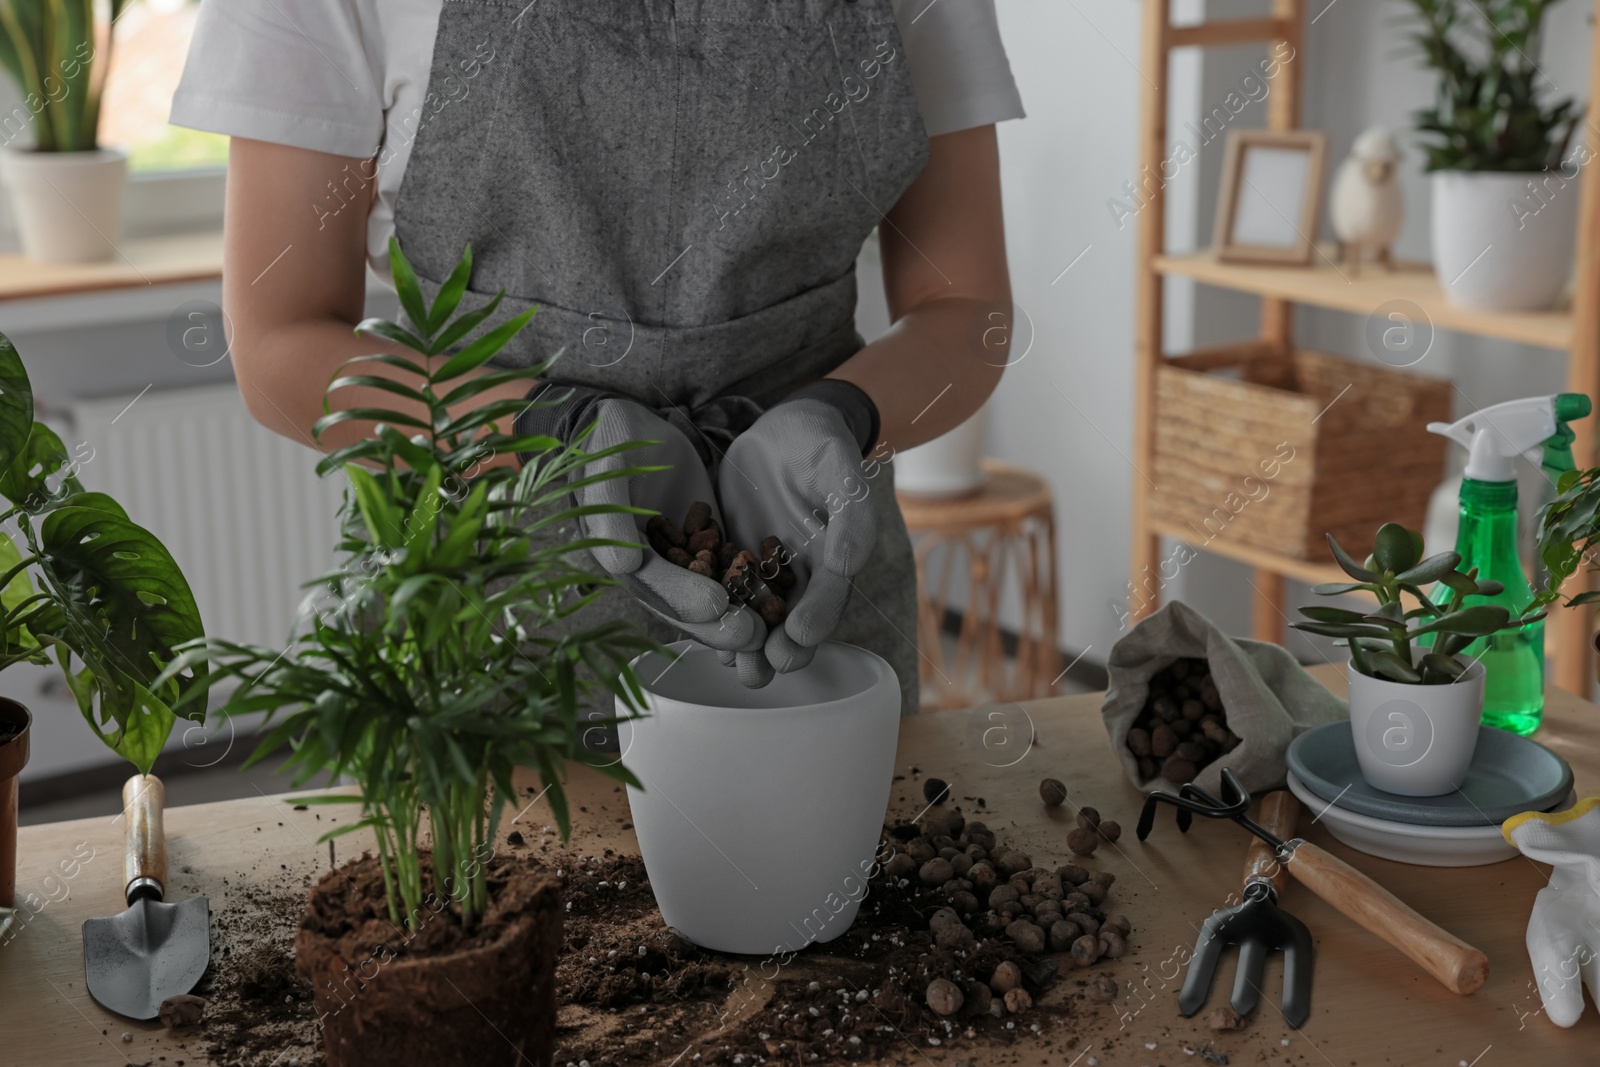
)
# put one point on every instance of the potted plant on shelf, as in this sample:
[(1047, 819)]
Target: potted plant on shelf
[(1505, 194), (85, 587), (66, 189), (1414, 705), (429, 669)]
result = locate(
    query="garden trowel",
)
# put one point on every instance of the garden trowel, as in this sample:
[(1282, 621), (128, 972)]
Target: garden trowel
[(154, 950)]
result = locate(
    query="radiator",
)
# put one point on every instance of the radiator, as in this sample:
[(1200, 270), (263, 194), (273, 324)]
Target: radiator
[(239, 507)]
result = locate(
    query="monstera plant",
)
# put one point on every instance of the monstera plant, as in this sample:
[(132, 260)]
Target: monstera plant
[(85, 587)]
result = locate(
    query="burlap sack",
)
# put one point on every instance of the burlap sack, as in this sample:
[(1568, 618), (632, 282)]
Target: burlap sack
[(1267, 697)]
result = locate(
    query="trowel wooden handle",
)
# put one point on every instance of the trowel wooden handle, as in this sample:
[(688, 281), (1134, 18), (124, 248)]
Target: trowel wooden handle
[(1460, 967), (1278, 815), (144, 840)]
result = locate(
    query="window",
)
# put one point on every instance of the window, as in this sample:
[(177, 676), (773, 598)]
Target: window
[(150, 42)]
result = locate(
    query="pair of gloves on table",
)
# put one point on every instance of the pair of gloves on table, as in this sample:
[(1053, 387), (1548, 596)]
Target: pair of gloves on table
[(796, 473)]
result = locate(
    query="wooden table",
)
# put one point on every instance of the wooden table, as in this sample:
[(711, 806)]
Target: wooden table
[(1370, 1005)]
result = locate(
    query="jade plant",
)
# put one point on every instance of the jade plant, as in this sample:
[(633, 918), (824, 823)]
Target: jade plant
[(1487, 113), (1569, 534), (1384, 642), (429, 666), (85, 587), (49, 50)]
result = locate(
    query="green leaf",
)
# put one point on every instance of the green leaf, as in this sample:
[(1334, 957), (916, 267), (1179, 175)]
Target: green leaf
[(406, 287), (382, 517), (1393, 549), (1341, 588), (1391, 666), (26, 481), (483, 349), (16, 405), (450, 293), (1348, 565), (1446, 666), (469, 322), (1336, 615), (1480, 620), (1431, 569)]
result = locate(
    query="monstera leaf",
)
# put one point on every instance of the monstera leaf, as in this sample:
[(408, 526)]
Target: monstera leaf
[(125, 606), (26, 481), (16, 405)]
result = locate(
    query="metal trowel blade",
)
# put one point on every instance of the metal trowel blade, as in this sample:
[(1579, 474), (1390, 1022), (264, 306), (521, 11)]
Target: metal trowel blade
[(152, 951)]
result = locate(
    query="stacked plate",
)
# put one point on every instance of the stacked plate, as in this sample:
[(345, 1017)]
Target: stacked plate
[(1509, 774)]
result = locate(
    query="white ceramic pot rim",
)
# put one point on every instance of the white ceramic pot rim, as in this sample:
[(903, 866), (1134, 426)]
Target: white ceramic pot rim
[(877, 672), (1475, 668)]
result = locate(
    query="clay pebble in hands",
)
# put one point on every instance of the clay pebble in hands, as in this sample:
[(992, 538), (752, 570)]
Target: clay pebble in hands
[(758, 581)]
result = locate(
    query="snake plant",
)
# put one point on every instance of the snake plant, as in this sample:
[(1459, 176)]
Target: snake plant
[(50, 48), (1380, 641)]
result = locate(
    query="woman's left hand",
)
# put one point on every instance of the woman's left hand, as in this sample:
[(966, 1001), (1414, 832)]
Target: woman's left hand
[(796, 474)]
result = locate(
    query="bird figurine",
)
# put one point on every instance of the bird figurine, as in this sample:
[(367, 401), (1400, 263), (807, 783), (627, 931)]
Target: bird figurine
[(1366, 206)]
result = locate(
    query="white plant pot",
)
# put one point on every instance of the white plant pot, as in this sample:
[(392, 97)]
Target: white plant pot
[(67, 205), (1499, 247), (1415, 740), (947, 466), (761, 809)]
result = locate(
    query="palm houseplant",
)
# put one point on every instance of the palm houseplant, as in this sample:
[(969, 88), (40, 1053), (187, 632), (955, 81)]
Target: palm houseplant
[(1416, 691), (1497, 147), (83, 587), (66, 188), (446, 649)]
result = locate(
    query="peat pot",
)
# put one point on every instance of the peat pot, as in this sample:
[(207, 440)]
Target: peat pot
[(1415, 740), (761, 808), (15, 723), (386, 997)]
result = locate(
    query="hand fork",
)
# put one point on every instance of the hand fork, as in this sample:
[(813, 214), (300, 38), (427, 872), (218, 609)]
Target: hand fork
[(1258, 926)]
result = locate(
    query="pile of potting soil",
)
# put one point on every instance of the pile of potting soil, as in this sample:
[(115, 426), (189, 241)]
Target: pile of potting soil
[(921, 967)]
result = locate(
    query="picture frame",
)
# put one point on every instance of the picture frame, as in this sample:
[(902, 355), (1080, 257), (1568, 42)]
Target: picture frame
[(1270, 201)]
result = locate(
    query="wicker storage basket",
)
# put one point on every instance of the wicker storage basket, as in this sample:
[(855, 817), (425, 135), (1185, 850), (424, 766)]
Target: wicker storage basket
[(1277, 452)]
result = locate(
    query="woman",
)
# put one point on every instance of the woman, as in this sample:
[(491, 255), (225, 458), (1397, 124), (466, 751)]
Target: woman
[(682, 187)]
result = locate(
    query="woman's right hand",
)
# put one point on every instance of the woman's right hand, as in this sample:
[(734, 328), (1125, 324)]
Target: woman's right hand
[(698, 605)]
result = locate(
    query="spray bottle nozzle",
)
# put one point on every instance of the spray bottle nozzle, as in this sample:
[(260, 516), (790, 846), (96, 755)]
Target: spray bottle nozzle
[(1496, 435)]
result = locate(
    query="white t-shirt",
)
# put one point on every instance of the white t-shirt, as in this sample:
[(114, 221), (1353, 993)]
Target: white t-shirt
[(349, 77)]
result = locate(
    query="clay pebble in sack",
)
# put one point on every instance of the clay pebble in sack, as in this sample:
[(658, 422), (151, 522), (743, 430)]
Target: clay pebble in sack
[(699, 546), (1265, 699)]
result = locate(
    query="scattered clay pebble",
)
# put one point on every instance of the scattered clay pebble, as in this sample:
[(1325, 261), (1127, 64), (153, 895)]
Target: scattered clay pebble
[(1086, 950), (1018, 1000), (1083, 841), (936, 871), (1225, 1018), (185, 1009), (1027, 935), (1110, 829), (935, 790), (1006, 977), (1088, 817), (1052, 792), (944, 996), (1103, 990), (979, 997), (515, 838)]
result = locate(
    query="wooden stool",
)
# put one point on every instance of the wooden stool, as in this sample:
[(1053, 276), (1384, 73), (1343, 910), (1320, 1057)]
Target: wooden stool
[(1005, 528)]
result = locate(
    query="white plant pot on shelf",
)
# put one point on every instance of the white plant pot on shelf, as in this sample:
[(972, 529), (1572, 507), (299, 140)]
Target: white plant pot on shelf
[(948, 466), (67, 205), (1415, 740), (1497, 244), (761, 808)]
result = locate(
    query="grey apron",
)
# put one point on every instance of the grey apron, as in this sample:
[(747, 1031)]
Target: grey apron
[(682, 188)]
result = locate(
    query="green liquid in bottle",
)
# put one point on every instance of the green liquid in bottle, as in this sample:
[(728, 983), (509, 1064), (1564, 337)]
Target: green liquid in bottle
[(1513, 696)]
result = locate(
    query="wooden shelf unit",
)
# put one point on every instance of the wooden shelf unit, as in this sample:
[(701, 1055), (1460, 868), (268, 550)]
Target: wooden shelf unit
[(1326, 284)]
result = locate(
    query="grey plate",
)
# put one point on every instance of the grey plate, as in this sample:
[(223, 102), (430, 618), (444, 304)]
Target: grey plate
[(1509, 774)]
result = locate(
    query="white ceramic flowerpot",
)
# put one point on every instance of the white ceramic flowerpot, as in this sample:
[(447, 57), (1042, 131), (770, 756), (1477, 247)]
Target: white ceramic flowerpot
[(761, 809), (1503, 241), (947, 466), (67, 205), (1415, 740)]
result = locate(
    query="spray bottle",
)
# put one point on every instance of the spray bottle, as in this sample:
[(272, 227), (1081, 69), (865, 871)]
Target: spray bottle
[(1486, 538)]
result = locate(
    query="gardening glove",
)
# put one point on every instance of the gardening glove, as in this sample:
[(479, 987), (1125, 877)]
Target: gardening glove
[(697, 605), (796, 473), (1564, 929)]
